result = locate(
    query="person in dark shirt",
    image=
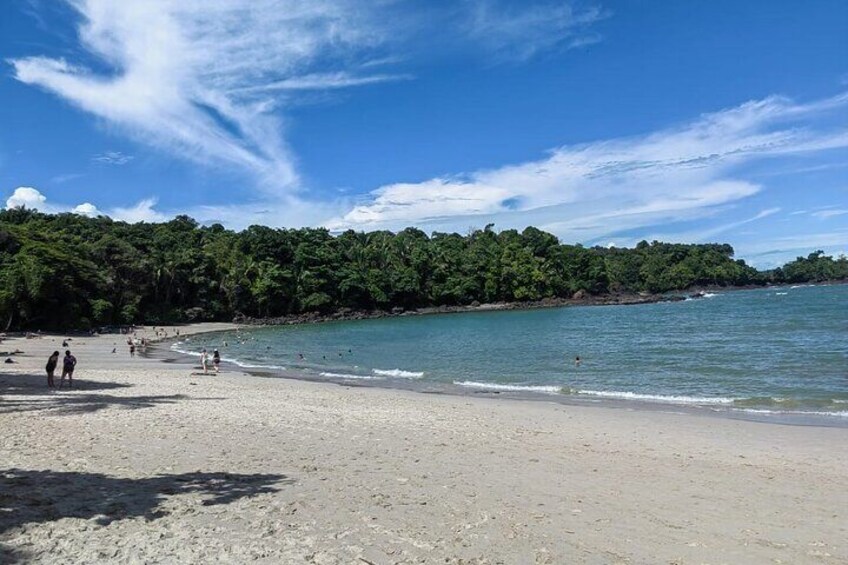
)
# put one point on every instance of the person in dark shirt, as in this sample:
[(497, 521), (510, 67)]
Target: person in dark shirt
[(52, 361), (68, 364)]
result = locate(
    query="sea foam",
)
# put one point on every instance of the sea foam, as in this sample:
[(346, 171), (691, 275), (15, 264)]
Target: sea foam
[(347, 376), (245, 365), (840, 414), (509, 388), (238, 362), (398, 373), (670, 399)]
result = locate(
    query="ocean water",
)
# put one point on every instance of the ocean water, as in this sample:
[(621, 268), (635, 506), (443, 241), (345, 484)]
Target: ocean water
[(767, 351)]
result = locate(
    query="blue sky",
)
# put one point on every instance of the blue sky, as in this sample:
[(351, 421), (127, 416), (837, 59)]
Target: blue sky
[(604, 123)]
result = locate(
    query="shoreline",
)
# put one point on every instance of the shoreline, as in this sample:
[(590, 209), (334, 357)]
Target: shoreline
[(150, 461), (163, 351)]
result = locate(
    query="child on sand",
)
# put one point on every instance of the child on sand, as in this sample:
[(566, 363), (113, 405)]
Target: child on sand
[(68, 364), (52, 361)]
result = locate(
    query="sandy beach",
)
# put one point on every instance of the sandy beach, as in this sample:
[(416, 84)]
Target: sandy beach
[(151, 462)]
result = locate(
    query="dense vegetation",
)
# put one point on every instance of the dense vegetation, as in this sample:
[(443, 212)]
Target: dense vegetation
[(69, 271)]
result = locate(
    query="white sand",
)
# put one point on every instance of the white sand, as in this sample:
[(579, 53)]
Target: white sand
[(143, 462)]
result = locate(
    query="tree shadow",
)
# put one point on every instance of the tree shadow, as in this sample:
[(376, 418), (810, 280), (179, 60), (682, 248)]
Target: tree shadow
[(28, 383), (33, 497), (29, 393)]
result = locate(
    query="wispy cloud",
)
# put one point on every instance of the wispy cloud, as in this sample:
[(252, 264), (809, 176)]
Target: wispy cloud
[(112, 158), (778, 250), (703, 235), (179, 67), (66, 177), (830, 213), (209, 80), (584, 192), (521, 30), (323, 81)]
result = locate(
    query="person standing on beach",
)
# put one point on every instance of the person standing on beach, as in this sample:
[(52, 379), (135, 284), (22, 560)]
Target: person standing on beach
[(68, 365), (132, 349), (204, 361), (216, 359), (52, 361)]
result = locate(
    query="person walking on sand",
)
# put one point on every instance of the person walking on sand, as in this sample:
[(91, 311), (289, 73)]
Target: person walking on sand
[(204, 361), (68, 364), (132, 349), (216, 360), (52, 361)]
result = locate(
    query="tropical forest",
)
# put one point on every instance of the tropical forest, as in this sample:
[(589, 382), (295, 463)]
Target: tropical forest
[(68, 271)]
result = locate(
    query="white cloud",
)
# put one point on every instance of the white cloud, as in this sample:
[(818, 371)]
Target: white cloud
[(86, 209), (142, 212), (405, 203), (588, 191), (26, 197), (31, 198)]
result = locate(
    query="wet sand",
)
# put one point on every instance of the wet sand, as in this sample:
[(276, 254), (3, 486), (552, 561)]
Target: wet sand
[(145, 461)]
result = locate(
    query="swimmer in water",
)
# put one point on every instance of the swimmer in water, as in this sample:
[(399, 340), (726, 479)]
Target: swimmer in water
[(577, 361)]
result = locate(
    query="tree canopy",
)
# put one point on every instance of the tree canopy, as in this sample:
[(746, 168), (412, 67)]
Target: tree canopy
[(63, 271)]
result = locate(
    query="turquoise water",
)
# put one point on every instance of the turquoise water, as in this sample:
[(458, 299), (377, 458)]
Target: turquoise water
[(767, 350)]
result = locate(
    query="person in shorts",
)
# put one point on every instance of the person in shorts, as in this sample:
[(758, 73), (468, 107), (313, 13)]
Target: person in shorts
[(69, 362)]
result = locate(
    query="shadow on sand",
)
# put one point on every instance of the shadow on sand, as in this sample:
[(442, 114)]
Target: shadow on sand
[(29, 393), (32, 497)]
